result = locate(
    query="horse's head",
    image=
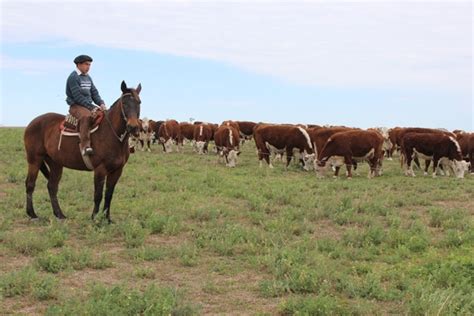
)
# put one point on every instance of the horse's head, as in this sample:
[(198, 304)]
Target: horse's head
[(131, 107)]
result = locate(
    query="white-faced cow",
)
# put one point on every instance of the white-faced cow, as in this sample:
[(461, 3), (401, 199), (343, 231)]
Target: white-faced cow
[(227, 143), (349, 146), (433, 146), (202, 136), (320, 135), (279, 138), (146, 134), (169, 134), (187, 132)]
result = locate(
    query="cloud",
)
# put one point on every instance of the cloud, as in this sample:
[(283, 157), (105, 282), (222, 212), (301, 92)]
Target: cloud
[(368, 44), (33, 66)]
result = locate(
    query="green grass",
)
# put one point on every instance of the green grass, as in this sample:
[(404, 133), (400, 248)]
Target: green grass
[(192, 237)]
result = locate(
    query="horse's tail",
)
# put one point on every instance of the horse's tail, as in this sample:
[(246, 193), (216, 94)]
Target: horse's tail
[(44, 170)]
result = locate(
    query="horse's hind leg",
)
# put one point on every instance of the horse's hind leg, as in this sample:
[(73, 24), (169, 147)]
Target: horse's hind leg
[(55, 173), (30, 183)]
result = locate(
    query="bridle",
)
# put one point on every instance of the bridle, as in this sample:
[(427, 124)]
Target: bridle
[(125, 133)]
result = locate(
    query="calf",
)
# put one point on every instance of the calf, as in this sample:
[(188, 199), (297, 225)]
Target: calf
[(280, 138), (227, 144), (433, 146), (350, 146)]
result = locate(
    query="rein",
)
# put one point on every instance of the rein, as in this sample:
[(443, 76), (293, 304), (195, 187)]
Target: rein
[(121, 137)]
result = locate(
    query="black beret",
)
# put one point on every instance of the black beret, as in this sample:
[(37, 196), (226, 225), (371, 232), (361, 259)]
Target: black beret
[(82, 59)]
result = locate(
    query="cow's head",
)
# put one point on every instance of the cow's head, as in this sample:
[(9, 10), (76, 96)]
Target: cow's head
[(460, 167), (320, 166), (232, 158), (168, 144), (200, 147), (308, 161)]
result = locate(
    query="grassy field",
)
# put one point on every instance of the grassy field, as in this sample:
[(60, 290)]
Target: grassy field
[(194, 237)]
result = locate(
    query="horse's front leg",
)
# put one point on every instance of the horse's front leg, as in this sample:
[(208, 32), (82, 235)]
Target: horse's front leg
[(99, 180), (112, 179)]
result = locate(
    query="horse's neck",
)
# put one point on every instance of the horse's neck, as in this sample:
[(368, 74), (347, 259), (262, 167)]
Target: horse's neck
[(116, 119)]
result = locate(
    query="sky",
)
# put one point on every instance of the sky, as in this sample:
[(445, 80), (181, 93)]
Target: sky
[(355, 63)]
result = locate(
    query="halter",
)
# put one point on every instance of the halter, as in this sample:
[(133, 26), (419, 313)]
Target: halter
[(121, 137)]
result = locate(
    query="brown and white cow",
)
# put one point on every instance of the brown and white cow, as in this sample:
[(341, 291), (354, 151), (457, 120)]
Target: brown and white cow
[(155, 127), (433, 146), (349, 146), (279, 138), (202, 136), (187, 132), (319, 137), (470, 150), (227, 143), (246, 129), (169, 134), (234, 124), (146, 134)]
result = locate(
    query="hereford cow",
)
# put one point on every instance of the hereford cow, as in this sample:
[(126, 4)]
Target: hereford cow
[(279, 138), (146, 134), (227, 144), (169, 134), (470, 150), (155, 127), (246, 129), (433, 146), (187, 131), (234, 124), (319, 137), (349, 146), (202, 136)]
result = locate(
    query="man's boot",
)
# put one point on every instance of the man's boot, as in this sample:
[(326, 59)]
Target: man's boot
[(85, 145)]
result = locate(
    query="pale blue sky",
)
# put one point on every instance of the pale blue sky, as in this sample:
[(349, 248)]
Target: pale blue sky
[(354, 63)]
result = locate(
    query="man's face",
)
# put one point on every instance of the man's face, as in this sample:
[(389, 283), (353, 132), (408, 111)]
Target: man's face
[(84, 67)]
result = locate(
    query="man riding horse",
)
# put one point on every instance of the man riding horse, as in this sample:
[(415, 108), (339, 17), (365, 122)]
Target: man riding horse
[(81, 93)]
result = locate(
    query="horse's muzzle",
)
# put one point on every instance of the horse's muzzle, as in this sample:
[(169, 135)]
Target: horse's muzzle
[(133, 129)]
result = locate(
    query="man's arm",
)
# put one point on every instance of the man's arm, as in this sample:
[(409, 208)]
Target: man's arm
[(95, 95), (73, 84)]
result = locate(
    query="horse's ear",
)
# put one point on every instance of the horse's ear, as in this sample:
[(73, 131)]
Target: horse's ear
[(124, 87), (139, 88)]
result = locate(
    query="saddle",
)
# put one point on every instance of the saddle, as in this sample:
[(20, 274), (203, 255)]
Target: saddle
[(69, 127)]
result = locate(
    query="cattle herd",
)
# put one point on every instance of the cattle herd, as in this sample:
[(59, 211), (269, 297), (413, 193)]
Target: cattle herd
[(319, 148)]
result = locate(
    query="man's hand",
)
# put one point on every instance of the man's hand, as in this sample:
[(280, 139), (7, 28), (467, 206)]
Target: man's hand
[(103, 107)]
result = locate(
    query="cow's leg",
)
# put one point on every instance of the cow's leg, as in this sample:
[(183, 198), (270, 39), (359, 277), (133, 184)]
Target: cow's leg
[(289, 156), (99, 180), (142, 144), (55, 173), (427, 165), (408, 156), (30, 183), (471, 161), (417, 162), (148, 143), (336, 172), (348, 162), (435, 166), (111, 181)]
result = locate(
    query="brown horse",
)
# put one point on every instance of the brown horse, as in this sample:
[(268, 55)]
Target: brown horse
[(110, 143)]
